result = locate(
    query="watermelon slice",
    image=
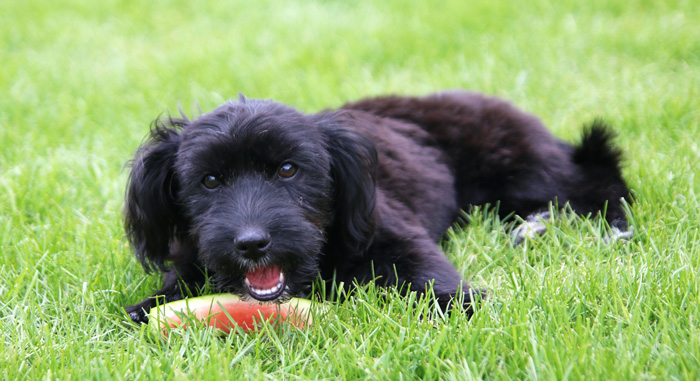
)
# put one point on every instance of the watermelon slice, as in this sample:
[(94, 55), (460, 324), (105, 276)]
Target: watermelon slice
[(228, 311)]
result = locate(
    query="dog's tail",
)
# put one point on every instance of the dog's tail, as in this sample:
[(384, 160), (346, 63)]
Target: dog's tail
[(596, 149)]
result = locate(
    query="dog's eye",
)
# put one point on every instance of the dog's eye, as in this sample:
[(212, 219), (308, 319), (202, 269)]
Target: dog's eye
[(211, 182), (287, 170)]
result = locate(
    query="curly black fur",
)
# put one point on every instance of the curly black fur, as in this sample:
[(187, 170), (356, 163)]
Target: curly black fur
[(377, 183)]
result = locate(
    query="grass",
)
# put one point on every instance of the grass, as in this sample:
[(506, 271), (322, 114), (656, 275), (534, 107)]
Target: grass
[(81, 80)]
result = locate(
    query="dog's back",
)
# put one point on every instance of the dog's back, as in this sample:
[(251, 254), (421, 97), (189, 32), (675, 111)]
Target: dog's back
[(500, 155)]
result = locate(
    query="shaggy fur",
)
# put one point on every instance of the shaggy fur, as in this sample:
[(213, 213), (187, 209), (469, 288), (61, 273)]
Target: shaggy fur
[(262, 199)]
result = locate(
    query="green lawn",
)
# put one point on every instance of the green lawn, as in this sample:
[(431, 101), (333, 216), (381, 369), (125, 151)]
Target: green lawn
[(80, 81)]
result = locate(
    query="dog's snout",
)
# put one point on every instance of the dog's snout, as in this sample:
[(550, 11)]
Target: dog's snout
[(252, 243)]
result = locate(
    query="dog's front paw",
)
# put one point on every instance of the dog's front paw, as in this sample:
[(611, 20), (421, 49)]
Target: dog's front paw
[(137, 314), (465, 301)]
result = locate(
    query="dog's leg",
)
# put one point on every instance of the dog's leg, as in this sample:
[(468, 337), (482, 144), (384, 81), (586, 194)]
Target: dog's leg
[(534, 225), (418, 264), (178, 283)]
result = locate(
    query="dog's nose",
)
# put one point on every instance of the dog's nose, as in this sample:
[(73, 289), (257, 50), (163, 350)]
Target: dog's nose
[(252, 243)]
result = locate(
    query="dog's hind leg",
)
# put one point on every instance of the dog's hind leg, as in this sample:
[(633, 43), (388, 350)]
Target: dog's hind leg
[(532, 226), (619, 231)]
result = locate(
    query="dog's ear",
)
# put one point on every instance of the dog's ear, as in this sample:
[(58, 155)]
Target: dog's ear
[(151, 215), (353, 170)]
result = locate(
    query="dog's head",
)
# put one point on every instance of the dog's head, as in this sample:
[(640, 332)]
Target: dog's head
[(252, 191)]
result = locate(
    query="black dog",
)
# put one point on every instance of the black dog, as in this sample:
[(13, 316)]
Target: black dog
[(264, 199)]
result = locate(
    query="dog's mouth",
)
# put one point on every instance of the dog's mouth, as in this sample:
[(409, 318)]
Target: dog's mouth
[(265, 283)]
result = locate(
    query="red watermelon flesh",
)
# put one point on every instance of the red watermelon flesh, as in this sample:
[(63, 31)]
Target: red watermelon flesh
[(228, 311)]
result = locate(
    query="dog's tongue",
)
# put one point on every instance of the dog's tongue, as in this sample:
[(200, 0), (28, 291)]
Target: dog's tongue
[(264, 277)]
